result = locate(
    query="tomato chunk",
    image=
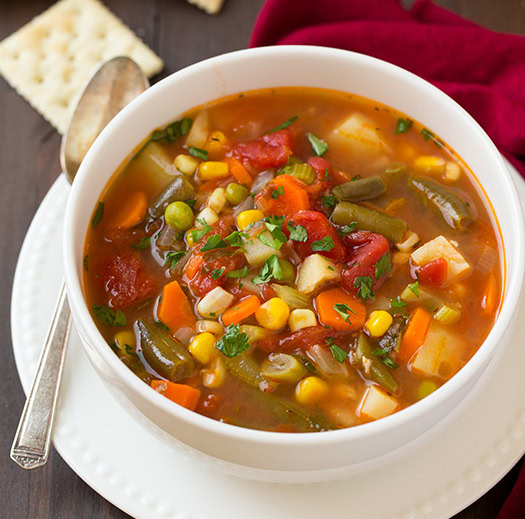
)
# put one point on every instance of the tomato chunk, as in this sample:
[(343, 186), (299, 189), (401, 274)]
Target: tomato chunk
[(269, 151), (317, 227), (299, 340), (323, 172), (433, 273), (124, 280), (365, 249)]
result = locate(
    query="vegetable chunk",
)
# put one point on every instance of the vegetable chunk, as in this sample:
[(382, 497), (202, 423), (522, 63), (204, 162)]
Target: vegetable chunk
[(377, 403), (314, 272)]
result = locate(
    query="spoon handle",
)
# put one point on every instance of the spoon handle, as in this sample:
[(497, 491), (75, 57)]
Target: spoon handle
[(30, 447)]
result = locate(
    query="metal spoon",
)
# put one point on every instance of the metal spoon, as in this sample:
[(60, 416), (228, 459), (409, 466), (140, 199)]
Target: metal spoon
[(114, 85)]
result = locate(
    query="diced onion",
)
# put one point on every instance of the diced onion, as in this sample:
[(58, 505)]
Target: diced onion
[(325, 362), (261, 180)]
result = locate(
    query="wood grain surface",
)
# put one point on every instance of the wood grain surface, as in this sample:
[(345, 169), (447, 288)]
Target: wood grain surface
[(29, 164)]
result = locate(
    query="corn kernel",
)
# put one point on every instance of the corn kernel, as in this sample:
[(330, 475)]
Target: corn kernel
[(189, 237), (213, 376), (426, 388), (246, 218), (301, 318), (217, 200), (430, 164), (378, 323), (202, 347), (273, 314), (208, 215), (186, 164), (210, 326), (452, 171), (216, 145), (125, 338), (211, 170), (311, 390)]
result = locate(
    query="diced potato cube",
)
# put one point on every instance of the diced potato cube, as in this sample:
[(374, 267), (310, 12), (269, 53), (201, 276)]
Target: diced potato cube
[(198, 135), (256, 251), (217, 200), (314, 272), (214, 303), (301, 318), (156, 165), (361, 135), (438, 356), (377, 403), (440, 247)]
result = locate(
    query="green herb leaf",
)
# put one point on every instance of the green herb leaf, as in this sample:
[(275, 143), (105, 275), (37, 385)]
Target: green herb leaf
[(278, 192), (85, 263), (233, 342), (235, 239), (389, 362), (191, 202), (197, 236), (162, 326), (270, 269), (217, 273), (142, 244), (414, 288), (427, 134), (109, 316), (320, 147), (214, 242), (383, 266), (380, 351), (305, 361), (329, 201), (347, 229), (173, 131), (297, 232), (197, 152), (99, 214), (324, 244), (240, 273), (403, 125), (338, 353), (284, 125), (343, 310), (398, 303), (364, 286), (275, 219), (173, 258)]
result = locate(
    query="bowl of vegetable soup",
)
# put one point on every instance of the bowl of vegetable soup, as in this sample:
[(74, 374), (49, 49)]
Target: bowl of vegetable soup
[(293, 262)]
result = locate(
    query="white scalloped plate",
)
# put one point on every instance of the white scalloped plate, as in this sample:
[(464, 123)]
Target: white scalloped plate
[(146, 479)]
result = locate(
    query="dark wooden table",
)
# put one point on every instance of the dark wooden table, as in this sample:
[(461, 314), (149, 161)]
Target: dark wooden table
[(29, 147)]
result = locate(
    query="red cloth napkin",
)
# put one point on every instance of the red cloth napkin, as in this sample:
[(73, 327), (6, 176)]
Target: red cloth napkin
[(482, 70)]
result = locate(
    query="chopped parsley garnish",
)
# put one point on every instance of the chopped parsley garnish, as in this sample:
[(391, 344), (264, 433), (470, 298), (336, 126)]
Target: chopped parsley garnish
[(173, 258), (397, 303), (403, 125), (274, 219), (191, 202), (325, 175), (427, 134), (320, 147), (276, 193), (129, 350), (343, 310), (383, 266), (142, 244), (99, 214), (214, 242), (235, 239), (305, 361), (109, 316), (217, 273), (338, 352), (284, 125), (347, 229), (355, 177), (414, 288), (197, 236), (270, 269), (173, 131), (273, 224), (233, 342), (85, 263), (239, 273), (364, 286), (324, 244), (383, 353), (329, 201), (297, 232), (197, 152)]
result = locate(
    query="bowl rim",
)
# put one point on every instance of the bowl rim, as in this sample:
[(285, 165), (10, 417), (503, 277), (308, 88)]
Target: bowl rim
[(512, 288)]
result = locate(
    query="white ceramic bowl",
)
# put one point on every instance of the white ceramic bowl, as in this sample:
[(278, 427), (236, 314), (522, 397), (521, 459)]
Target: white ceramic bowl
[(278, 456)]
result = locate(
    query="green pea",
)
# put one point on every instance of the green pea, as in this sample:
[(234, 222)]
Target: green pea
[(288, 271), (179, 216), (235, 193)]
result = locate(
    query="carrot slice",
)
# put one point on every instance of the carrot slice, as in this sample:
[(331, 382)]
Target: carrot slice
[(132, 211), (414, 334), (241, 310), (174, 309), (239, 171), (181, 394), (192, 267), (328, 301), (489, 299), (284, 195)]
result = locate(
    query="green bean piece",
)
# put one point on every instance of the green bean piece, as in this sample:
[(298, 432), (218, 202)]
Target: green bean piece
[(292, 297), (396, 171), (360, 189), (179, 216), (282, 367), (378, 371), (303, 172), (163, 353), (135, 365), (346, 213), (179, 189), (452, 208), (245, 369), (236, 194)]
